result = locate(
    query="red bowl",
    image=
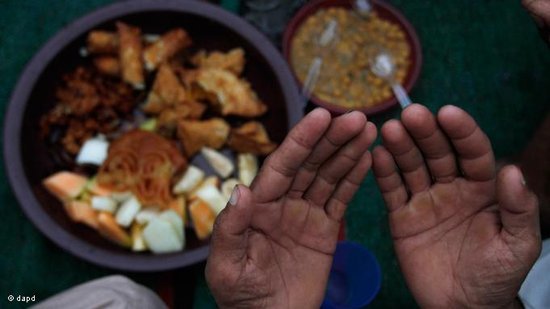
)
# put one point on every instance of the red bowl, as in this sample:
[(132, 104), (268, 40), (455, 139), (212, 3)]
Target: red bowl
[(385, 11)]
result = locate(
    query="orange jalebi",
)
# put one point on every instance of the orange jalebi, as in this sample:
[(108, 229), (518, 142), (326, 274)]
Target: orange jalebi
[(143, 163)]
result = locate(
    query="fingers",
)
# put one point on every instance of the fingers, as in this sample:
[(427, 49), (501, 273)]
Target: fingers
[(407, 156), (388, 179), (337, 204), (518, 206), (436, 150), (229, 237), (339, 165), (473, 147), (280, 168), (342, 129), (539, 9)]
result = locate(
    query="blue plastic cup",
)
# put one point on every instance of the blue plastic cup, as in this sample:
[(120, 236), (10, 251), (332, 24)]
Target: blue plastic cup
[(355, 277)]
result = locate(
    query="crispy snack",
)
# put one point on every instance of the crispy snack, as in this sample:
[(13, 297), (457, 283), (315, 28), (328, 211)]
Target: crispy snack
[(251, 137), (168, 119), (164, 48), (195, 134), (144, 163), (130, 55), (232, 95), (88, 104), (107, 65), (102, 42), (167, 91), (232, 61)]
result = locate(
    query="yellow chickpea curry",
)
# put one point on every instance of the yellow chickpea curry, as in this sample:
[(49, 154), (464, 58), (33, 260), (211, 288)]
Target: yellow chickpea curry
[(345, 78)]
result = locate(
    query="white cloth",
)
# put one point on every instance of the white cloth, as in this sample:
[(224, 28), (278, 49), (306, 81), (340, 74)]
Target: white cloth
[(113, 292), (535, 290)]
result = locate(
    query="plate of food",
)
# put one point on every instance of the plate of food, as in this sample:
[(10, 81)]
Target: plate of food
[(128, 130), (346, 80)]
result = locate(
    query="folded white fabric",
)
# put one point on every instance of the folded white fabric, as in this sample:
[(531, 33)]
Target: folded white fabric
[(535, 290), (113, 292)]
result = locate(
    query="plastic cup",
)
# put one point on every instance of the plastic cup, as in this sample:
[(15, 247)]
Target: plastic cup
[(355, 277)]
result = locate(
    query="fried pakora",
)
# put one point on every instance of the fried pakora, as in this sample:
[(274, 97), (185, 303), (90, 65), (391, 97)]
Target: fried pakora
[(195, 134), (130, 49), (165, 47), (232, 61), (251, 137)]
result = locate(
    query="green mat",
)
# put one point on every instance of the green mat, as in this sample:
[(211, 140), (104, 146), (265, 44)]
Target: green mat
[(484, 56)]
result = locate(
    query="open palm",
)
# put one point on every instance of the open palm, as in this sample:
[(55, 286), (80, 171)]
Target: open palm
[(273, 244), (463, 236)]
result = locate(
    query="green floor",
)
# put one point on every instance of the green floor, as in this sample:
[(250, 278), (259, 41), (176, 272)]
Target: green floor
[(484, 56)]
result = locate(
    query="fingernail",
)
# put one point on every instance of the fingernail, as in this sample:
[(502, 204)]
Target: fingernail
[(234, 196), (348, 111), (521, 178)]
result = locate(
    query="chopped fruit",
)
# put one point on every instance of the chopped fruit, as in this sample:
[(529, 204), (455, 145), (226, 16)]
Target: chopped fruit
[(220, 163), (121, 197), (203, 218), (127, 212), (149, 125), (146, 215), (96, 189), (94, 151), (104, 203), (209, 181), (213, 197), (176, 221), (192, 177), (65, 185), (161, 236), (248, 167), (178, 205), (108, 227), (228, 186), (82, 212), (138, 243)]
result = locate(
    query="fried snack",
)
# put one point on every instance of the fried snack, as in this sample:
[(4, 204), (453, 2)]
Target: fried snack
[(167, 91), (164, 48), (130, 55), (195, 134), (233, 95), (102, 42), (232, 61), (168, 119), (251, 137), (107, 65), (144, 163)]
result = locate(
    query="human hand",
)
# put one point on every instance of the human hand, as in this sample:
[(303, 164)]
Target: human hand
[(273, 244), (540, 11), (463, 236)]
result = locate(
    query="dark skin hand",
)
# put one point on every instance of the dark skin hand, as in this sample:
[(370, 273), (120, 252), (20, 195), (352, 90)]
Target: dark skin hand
[(540, 11), (273, 244), (464, 236)]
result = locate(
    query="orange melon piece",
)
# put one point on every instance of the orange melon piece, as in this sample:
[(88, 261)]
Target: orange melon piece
[(178, 205), (109, 229), (65, 185), (82, 212), (203, 218)]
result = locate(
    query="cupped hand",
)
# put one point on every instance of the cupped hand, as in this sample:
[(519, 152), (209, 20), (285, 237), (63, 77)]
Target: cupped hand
[(463, 236), (273, 244)]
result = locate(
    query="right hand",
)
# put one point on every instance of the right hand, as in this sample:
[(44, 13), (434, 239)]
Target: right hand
[(540, 11)]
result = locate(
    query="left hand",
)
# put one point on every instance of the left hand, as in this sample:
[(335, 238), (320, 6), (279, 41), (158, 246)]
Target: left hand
[(273, 244)]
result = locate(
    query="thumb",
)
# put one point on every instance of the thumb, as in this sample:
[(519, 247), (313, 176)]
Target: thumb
[(518, 205), (229, 237)]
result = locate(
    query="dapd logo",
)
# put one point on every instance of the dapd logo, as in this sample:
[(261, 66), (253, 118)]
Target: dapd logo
[(22, 298)]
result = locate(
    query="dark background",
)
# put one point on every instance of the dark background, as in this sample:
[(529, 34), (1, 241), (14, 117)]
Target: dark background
[(485, 56)]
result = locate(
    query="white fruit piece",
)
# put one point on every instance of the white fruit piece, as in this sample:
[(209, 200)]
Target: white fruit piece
[(228, 186), (104, 203), (136, 232), (220, 163), (127, 212), (192, 177), (208, 181), (248, 167), (146, 215), (121, 197), (161, 237), (213, 197), (93, 151), (176, 221)]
